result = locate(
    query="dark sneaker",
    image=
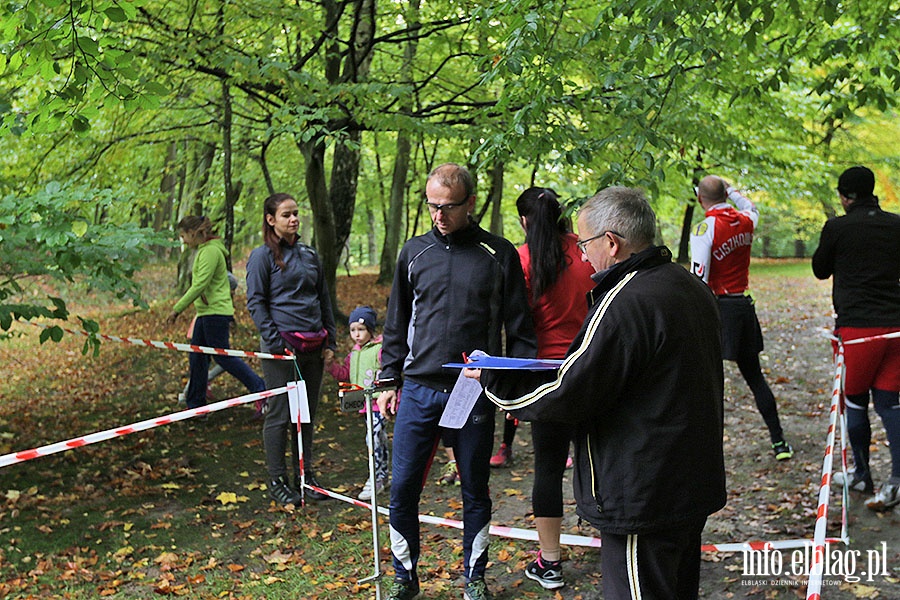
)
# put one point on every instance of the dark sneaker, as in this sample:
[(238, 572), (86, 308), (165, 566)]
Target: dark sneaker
[(545, 572), (859, 482), (477, 590), (401, 589), (887, 498), (313, 495), (281, 492), (782, 450)]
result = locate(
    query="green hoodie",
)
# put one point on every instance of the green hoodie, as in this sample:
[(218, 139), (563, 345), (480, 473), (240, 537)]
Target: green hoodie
[(209, 291)]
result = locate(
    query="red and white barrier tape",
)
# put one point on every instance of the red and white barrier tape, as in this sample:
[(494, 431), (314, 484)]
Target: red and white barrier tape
[(816, 569), (176, 346), (571, 539), (93, 438), (885, 336)]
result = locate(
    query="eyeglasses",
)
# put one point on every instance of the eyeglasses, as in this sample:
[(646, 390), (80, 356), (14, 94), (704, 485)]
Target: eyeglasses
[(582, 244), (444, 208)]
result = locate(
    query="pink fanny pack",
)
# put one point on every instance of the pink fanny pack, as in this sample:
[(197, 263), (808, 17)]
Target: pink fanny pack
[(305, 341)]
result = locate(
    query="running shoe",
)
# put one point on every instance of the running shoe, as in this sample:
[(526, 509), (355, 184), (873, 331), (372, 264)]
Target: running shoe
[(782, 450), (450, 476), (282, 493), (859, 482), (503, 456), (366, 493), (477, 590), (887, 498), (402, 589), (545, 572), (310, 494)]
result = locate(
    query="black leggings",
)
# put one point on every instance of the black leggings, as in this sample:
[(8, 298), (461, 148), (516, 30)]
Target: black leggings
[(551, 449), (750, 369)]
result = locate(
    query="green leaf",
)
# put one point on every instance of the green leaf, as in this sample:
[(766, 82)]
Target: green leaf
[(79, 228), (80, 124), (116, 14)]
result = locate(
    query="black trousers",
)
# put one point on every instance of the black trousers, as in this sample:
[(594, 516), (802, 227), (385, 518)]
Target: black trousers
[(662, 565)]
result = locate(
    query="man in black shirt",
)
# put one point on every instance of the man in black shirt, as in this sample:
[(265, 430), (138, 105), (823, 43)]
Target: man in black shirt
[(862, 251)]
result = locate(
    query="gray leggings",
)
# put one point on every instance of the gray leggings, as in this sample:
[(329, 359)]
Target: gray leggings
[(278, 418)]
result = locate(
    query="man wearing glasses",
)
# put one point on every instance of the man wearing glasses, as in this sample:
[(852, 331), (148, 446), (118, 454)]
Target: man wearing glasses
[(456, 288), (642, 384)]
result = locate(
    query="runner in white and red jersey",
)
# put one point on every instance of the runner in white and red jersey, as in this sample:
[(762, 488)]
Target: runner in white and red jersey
[(720, 256)]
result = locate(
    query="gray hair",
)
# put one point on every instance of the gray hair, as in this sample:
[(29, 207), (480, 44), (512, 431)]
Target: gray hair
[(623, 211), (451, 174)]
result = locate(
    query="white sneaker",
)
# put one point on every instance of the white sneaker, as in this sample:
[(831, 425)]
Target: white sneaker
[(856, 483), (366, 493), (886, 498)]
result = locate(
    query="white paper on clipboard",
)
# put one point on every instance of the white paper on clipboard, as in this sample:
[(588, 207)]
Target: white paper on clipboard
[(298, 401), (462, 398)]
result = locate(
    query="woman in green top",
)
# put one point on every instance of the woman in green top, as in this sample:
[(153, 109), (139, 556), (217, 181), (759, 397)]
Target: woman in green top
[(210, 292)]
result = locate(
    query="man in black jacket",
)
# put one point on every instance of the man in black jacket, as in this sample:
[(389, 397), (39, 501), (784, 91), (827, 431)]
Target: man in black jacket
[(456, 289), (643, 384), (862, 250)]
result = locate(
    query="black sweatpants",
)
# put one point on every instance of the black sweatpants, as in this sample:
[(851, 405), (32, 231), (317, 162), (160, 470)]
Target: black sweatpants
[(662, 565)]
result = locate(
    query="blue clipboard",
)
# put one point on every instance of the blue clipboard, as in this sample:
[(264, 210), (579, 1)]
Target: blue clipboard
[(504, 362)]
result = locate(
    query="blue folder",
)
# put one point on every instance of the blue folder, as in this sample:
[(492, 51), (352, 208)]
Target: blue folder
[(504, 362)]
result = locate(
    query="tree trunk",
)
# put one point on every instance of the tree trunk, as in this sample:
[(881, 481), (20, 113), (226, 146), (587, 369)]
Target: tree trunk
[(684, 244), (344, 177), (394, 220), (168, 187), (324, 234), (371, 245), (495, 195), (203, 160), (230, 189)]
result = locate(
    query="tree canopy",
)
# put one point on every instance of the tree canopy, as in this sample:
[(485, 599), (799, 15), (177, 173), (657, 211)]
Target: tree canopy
[(166, 108)]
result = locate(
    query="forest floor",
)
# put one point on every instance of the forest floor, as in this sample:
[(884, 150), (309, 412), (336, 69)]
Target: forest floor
[(181, 510)]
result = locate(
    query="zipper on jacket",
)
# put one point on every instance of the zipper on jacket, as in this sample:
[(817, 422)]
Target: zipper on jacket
[(594, 491)]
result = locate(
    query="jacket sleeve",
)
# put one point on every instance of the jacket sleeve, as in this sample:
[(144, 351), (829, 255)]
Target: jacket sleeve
[(201, 275), (521, 341), (341, 371), (823, 257), (394, 347), (259, 294), (701, 247), (744, 205), (594, 375)]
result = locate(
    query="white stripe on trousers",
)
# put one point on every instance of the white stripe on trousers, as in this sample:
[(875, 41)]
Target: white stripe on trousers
[(631, 565)]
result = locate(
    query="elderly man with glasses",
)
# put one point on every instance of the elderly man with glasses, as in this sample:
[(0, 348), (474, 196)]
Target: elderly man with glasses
[(642, 384)]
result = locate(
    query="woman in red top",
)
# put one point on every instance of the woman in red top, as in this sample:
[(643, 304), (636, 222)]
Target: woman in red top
[(557, 280)]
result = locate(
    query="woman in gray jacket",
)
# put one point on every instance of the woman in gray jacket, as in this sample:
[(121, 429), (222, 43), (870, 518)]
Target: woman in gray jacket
[(288, 299)]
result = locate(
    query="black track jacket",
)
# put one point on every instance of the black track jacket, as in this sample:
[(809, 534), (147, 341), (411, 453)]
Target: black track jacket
[(454, 294), (643, 384)]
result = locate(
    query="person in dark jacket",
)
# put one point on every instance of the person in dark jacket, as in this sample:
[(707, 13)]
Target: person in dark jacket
[(643, 385), (456, 289), (862, 251)]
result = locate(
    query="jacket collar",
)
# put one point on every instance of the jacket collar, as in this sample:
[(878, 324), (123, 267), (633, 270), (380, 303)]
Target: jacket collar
[(645, 259), (460, 236), (864, 204)]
